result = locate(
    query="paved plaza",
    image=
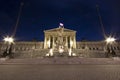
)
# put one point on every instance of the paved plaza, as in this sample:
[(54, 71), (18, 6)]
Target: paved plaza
[(62, 60), (59, 72)]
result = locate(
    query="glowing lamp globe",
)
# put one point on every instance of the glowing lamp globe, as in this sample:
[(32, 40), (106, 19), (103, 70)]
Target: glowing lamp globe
[(110, 40)]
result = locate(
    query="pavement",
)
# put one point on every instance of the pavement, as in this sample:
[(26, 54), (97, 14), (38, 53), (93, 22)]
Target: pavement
[(60, 68), (62, 60), (59, 72)]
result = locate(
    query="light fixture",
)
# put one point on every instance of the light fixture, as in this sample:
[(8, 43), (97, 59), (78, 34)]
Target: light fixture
[(9, 39), (110, 40)]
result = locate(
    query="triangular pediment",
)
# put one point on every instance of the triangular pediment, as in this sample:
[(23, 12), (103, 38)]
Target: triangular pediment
[(56, 29)]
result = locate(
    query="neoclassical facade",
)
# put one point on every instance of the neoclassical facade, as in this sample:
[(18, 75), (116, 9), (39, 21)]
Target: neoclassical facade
[(60, 37), (52, 36)]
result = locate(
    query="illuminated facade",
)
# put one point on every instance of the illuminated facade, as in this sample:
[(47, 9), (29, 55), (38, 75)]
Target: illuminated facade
[(52, 36), (67, 38)]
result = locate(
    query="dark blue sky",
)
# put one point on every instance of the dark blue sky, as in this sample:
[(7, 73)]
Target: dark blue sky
[(79, 15)]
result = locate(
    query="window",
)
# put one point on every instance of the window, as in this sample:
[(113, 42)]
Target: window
[(118, 48), (83, 47), (89, 48), (96, 48)]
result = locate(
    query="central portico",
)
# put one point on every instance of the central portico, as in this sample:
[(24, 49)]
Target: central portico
[(61, 36)]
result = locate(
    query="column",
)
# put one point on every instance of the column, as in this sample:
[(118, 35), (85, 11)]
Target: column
[(49, 42), (53, 42), (45, 41), (66, 41), (70, 42), (74, 39)]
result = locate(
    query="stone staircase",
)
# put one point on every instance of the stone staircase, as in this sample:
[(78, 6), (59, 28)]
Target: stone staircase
[(89, 54), (31, 53)]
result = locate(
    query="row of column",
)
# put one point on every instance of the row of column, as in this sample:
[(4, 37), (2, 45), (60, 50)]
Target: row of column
[(49, 42)]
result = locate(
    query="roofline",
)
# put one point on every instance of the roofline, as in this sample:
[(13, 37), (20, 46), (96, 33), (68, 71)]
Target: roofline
[(57, 28)]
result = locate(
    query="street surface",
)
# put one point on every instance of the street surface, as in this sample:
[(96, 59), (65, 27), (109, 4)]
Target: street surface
[(59, 72)]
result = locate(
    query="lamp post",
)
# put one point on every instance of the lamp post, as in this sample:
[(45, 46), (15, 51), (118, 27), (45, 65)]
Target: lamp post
[(8, 52), (10, 40), (110, 51)]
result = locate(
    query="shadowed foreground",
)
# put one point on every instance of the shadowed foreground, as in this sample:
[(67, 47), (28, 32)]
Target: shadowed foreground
[(59, 72)]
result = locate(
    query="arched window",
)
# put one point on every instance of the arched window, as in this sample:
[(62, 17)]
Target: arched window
[(83, 47), (89, 48), (97, 49), (118, 48)]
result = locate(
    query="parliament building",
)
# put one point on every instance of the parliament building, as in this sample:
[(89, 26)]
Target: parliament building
[(61, 42)]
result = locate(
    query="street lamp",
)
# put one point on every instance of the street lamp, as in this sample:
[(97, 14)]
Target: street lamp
[(110, 41), (8, 51)]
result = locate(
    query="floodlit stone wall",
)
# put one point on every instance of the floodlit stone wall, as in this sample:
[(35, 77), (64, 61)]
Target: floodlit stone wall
[(95, 49), (83, 49)]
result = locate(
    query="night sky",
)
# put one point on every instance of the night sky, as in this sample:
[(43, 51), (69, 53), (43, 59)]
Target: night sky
[(40, 15)]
